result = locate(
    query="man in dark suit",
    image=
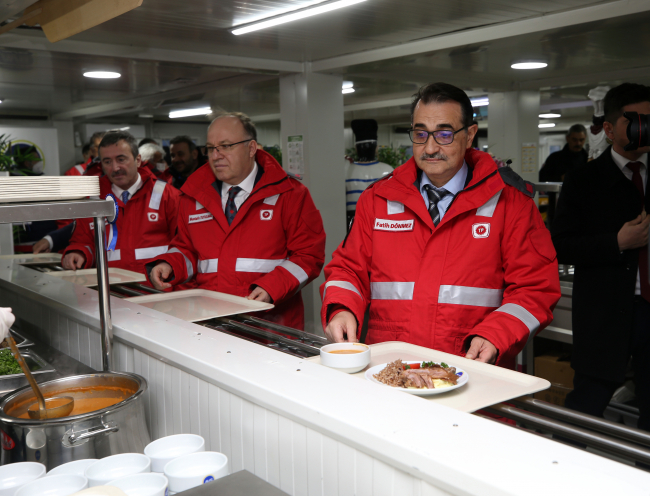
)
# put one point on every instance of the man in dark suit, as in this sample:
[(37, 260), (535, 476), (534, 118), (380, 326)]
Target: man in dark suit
[(601, 227)]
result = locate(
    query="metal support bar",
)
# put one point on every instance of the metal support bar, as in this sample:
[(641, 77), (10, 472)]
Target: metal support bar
[(73, 209), (596, 423), (589, 438), (148, 289), (104, 293), (126, 291), (548, 187)]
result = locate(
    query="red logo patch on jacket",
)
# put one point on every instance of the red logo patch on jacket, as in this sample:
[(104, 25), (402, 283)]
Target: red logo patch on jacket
[(153, 216), (266, 214), (481, 230)]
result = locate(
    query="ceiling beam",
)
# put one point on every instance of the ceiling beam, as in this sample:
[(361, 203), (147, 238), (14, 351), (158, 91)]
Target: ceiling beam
[(30, 40), (575, 77), (488, 33), (151, 99)]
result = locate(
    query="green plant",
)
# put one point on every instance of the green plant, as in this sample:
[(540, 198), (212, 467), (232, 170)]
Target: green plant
[(13, 158), (391, 156)]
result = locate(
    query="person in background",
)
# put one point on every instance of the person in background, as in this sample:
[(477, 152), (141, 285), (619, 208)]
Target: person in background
[(145, 141), (366, 169), (244, 226), (572, 156), (609, 248), (89, 155), (153, 158), (93, 166), (147, 208), (448, 252), (184, 161)]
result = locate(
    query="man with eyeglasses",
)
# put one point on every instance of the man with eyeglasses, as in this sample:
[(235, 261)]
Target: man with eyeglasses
[(449, 252), (245, 227)]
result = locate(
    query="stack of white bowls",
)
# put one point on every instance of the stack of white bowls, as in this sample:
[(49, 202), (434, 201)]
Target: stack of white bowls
[(168, 466)]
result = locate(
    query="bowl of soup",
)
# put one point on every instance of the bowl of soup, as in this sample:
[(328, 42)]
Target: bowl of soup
[(346, 357)]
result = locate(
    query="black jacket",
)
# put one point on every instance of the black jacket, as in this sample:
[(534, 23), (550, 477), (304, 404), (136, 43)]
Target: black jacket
[(596, 200), (559, 163)]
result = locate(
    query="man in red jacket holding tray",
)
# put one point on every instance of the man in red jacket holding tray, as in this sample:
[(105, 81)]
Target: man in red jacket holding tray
[(147, 211), (245, 227), (448, 252)]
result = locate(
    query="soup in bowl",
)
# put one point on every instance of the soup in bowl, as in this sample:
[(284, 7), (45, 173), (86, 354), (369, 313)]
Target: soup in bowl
[(346, 357)]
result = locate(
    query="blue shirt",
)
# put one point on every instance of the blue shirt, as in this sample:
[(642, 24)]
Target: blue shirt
[(455, 184)]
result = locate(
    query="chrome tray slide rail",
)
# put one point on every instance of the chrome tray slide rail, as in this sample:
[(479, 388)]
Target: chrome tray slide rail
[(577, 429)]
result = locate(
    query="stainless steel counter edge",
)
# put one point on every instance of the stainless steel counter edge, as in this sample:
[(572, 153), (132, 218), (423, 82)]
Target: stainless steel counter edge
[(456, 452)]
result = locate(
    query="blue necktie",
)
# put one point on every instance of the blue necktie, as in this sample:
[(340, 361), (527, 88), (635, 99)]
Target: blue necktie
[(125, 197), (435, 195), (231, 208)]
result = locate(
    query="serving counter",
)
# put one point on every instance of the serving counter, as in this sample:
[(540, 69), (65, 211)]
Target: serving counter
[(302, 427)]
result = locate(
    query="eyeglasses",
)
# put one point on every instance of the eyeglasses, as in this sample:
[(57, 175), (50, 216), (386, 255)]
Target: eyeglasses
[(442, 137), (209, 150)]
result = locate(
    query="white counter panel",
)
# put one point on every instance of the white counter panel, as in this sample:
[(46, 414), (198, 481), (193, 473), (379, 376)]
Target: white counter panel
[(304, 428)]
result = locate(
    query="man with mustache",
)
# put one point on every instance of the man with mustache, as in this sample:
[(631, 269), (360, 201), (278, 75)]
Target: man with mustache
[(147, 208), (448, 252)]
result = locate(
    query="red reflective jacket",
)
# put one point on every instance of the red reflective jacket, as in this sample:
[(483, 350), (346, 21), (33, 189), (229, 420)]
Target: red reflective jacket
[(276, 240), (488, 269), (77, 170), (145, 225)]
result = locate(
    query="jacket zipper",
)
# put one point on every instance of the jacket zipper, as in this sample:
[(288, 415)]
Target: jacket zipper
[(470, 188)]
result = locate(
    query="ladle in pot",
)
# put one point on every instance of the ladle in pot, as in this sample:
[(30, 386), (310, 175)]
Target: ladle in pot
[(49, 408)]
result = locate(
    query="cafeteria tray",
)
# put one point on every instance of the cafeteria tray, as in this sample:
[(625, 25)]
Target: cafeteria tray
[(194, 305), (88, 277), (487, 385), (35, 363), (33, 258)]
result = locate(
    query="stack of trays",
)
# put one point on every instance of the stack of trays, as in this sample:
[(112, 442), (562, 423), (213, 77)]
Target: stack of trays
[(47, 188)]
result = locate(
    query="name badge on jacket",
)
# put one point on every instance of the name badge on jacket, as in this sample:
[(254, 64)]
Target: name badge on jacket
[(393, 225), (193, 219)]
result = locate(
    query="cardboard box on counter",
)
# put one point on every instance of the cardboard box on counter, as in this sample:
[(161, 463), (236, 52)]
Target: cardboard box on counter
[(556, 369), (556, 394)]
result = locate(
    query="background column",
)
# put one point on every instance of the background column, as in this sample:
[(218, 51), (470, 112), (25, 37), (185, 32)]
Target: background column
[(311, 106), (513, 134)]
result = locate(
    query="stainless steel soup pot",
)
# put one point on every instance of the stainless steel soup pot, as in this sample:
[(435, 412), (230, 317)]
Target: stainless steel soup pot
[(120, 428)]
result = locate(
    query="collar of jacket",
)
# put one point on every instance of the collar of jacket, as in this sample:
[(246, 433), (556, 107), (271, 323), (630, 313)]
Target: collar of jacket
[(145, 174), (272, 182), (484, 184)]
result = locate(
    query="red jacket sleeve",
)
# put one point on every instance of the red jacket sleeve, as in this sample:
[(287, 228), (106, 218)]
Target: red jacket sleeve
[(83, 240), (347, 280), (532, 284), (305, 235), (180, 255)]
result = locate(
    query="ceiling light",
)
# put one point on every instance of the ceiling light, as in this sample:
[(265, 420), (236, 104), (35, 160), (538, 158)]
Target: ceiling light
[(529, 65), (549, 116), (145, 116), (294, 16), (190, 112), (546, 124), (102, 74), (347, 84), (480, 102), (345, 91)]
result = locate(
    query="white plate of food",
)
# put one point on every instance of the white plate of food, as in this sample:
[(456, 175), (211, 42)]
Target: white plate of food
[(419, 377)]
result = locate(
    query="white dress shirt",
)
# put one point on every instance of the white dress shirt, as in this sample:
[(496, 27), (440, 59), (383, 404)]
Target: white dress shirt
[(622, 162), (117, 191), (246, 186), (454, 185)]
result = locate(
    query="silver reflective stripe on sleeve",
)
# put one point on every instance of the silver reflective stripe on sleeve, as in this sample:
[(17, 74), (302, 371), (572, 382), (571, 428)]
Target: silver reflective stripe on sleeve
[(522, 314), (154, 251), (391, 290), (343, 285), (487, 210), (295, 270), (91, 258), (256, 265), (188, 264), (394, 207), (80, 169), (466, 295), (113, 255), (157, 194), (209, 266), (199, 206)]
